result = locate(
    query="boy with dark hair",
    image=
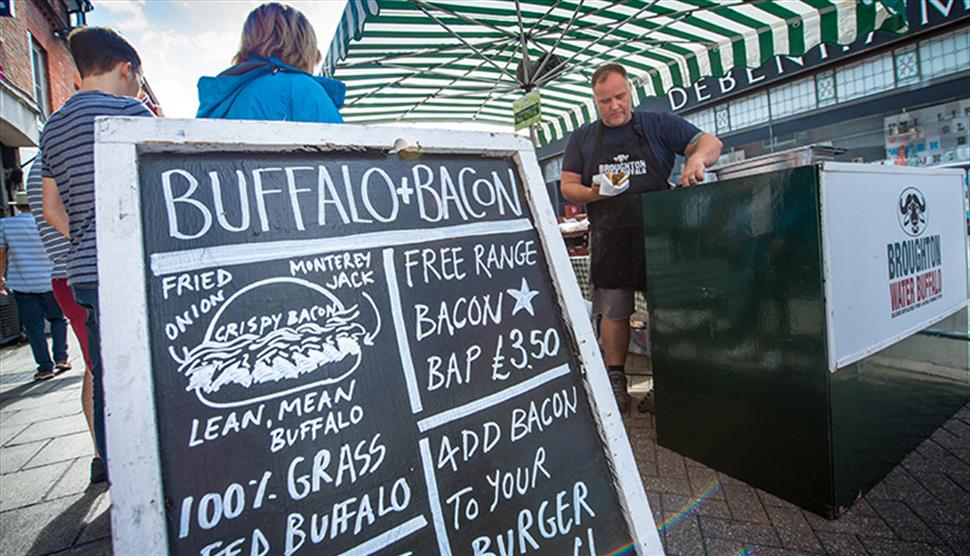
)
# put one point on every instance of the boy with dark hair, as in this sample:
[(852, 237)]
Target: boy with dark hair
[(111, 77), (97, 50)]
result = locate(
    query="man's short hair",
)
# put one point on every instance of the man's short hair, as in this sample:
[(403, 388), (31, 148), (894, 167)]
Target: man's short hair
[(98, 50), (605, 70)]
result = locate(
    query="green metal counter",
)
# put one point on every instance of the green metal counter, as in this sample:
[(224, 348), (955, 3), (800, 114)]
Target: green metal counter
[(746, 376)]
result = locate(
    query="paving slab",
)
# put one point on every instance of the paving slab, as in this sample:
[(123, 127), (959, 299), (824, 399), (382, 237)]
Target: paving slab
[(62, 448), (905, 524), (793, 529), (668, 485), (686, 538), (98, 518), (42, 395), (838, 544), (895, 547), (35, 414), (744, 503), (96, 548), (13, 458), (29, 530), (670, 464), (735, 530), (28, 487), (7, 432), (957, 537), (75, 481), (51, 428), (714, 508)]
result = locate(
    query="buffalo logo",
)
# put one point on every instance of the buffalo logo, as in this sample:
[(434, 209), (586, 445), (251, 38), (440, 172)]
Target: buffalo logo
[(912, 211), (621, 158)]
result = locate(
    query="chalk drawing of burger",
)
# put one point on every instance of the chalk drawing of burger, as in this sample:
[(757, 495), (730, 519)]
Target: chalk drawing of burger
[(273, 338)]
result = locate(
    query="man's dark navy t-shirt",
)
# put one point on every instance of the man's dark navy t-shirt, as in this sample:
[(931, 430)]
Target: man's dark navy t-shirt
[(666, 133)]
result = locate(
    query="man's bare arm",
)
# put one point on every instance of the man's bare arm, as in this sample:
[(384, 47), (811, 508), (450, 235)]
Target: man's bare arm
[(573, 189), (701, 153), (54, 212)]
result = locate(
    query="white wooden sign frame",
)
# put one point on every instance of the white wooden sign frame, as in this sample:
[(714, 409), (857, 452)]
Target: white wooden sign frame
[(138, 514)]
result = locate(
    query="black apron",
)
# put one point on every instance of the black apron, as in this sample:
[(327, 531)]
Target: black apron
[(616, 224)]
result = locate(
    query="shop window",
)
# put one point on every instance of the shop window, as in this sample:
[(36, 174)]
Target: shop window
[(907, 65), (704, 120), (869, 76), (945, 54), (825, 88), (749, 111), (928, 136), (552, 169), (793, 98), (38, 61), (722, 119)]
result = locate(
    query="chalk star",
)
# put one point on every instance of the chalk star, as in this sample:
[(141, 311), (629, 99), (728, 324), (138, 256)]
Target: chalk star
[(523, 298)]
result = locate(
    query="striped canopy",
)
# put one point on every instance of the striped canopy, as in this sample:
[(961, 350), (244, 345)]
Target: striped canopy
[(461, 60)]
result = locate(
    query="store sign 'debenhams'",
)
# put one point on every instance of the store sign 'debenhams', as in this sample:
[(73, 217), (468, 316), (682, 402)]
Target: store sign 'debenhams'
[(895, 247)]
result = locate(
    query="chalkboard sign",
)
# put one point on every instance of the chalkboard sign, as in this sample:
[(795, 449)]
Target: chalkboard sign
[(315, 344)]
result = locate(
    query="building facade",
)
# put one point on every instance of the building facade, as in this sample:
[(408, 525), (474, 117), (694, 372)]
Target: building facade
[(897, 98), (37, 74)]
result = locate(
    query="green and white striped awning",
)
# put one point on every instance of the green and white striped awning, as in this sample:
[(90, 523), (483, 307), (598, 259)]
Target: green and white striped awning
[(431, 60)]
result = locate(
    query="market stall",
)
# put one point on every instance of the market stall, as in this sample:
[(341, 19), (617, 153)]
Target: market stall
[(786, 306)]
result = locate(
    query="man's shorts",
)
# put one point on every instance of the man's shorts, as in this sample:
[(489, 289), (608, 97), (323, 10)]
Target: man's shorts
[(613, 304)]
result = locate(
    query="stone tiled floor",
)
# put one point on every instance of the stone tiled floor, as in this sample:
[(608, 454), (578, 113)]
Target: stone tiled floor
[(922, 507), (46, 504)]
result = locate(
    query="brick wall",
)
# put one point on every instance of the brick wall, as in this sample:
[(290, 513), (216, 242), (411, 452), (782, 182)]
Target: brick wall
[(62, 76), (15, 51)]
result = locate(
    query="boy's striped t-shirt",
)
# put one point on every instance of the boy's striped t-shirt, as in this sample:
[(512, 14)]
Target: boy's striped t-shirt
[(55, 243), (67, 144)]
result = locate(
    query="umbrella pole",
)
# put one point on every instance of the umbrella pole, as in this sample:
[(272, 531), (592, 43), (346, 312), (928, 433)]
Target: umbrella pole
[(532, 135)]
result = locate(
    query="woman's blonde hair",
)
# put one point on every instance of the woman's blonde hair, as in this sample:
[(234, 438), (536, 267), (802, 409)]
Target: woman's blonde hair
[(274, 29)]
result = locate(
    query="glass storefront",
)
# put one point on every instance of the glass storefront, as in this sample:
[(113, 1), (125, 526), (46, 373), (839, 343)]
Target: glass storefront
[(929, 136)]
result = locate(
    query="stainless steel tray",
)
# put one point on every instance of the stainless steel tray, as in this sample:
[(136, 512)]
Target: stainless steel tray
[(791, 158)]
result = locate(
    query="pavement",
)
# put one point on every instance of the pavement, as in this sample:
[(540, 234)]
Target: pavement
[(921, 508), (46, 503)]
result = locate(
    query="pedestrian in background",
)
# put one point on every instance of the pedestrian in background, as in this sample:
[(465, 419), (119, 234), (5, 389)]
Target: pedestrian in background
[(271, 76), (26, 270), (111, 77), (57, 246)]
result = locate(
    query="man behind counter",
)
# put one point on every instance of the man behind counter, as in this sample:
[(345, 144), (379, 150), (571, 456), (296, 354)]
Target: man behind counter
[(608, 164)]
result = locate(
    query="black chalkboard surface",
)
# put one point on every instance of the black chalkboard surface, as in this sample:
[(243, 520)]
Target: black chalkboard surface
[(361, 353)]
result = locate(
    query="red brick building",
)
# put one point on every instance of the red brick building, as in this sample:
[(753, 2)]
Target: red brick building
[(38, 74)]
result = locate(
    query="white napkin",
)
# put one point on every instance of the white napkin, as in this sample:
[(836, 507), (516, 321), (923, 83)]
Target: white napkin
[(606, 186)]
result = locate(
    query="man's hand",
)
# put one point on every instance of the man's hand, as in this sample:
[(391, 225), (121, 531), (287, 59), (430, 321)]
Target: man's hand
[(701, 153), (693, 173), (573, 189)]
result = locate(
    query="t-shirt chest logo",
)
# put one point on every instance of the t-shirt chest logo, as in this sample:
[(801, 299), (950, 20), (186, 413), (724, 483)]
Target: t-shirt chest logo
[(622, 163)]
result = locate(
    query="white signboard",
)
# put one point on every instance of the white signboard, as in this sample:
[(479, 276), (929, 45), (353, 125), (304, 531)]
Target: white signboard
[(895, 248)]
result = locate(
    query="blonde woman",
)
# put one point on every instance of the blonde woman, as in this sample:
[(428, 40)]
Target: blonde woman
[(271, 76)]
